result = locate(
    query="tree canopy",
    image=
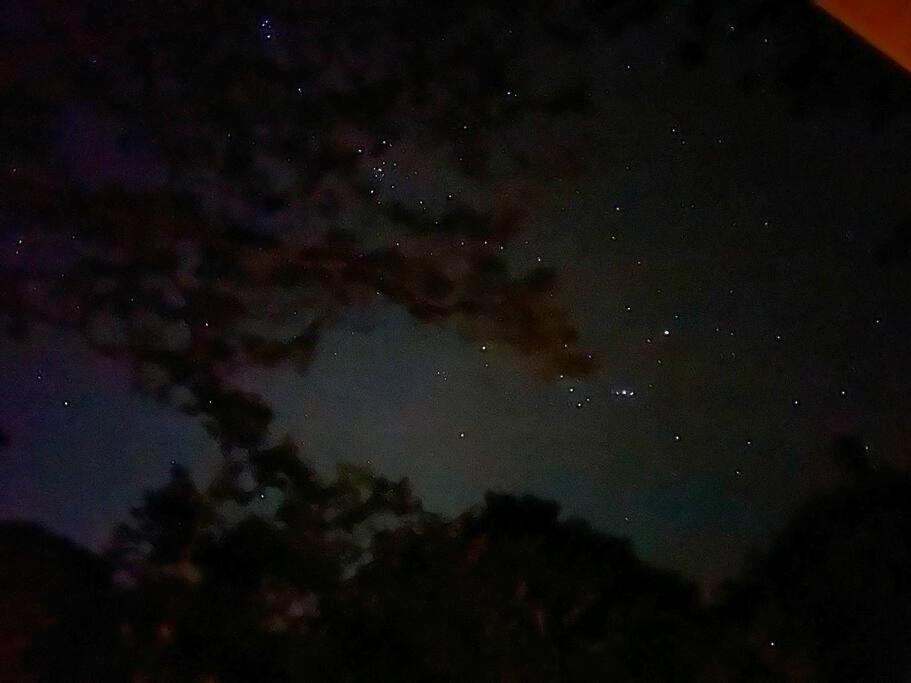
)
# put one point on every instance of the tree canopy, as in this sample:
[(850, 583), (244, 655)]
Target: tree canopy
[(202, 189)]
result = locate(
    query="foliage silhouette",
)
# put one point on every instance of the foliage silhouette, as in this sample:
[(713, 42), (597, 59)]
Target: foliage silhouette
[(184, 181), (352, 577), (351, 580), (195, 188), (227, 215), (48, 582), (829, 601)]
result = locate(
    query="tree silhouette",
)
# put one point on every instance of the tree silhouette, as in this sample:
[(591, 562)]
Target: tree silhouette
[(829, 600), (509, 592), (222, 583), (352, 577), (203, 189), (50, 587)]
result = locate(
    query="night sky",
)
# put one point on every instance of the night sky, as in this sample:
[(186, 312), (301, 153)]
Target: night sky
[(714, 244)]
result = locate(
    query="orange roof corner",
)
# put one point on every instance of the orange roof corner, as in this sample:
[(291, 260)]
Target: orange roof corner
[(886, 24)]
